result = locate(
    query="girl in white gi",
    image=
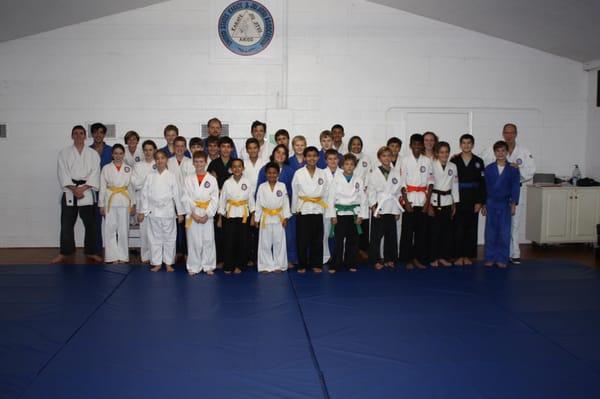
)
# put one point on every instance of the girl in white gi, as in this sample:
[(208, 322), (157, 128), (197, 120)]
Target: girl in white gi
[(444, 197), (235, 207), (201, 200), (385, 190), (309, 196), (364, 167), (252, 167), (347, 207), (271, 214), (140, 171), (133, 154), (161, 205), (116, 202)]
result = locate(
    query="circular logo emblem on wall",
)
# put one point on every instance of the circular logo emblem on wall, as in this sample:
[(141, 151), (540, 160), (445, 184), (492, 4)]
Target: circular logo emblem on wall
[(246, 27)]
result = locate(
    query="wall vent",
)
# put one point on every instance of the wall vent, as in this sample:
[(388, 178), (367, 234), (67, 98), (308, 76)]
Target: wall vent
[(2, 131)]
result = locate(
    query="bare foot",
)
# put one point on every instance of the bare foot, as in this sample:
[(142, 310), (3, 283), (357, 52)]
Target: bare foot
[(459, 262), (419, 265), (467, 261), (278, 271), (210, 273), (291, 265), (155, 268), (410, 266), (192, 273), (170, 269), (301, 271), (501, 265), (58, 259), (95, 258), (434, 263), (390, 265), (331, 271), (488, 264), (237, 270), (250, 264), (353, 269), (317, 270), (445, 263), (227, 271), (378, 266)]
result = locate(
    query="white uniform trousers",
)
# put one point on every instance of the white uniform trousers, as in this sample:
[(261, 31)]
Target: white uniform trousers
[(144, 245), (272, 253), (202, 252), (161, 239), (326, 232), (116, 235), (515, 226)]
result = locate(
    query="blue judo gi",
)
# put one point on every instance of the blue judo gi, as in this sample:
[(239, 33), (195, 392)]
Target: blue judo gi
[(502, 190)]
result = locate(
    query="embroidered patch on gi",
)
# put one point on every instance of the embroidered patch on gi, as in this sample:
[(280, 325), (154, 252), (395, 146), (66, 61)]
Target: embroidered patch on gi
[(477, 165), (137, 158), (357, 186), (365, 164), (154, 166), (519, 161), (394, 180), (279, 193), (450, 172), (320, 181), (244, 186), (127, 169), (207, 184), (423, 169)]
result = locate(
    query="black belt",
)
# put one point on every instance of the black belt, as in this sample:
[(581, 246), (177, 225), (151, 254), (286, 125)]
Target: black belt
[(77, 183), (439, 194)]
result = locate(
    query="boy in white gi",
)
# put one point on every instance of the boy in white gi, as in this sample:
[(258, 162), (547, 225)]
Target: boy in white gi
[(309, 196), (140, 171), (116, 202), (201, 201), (417, 183), (235, 207), (385, 190), (271, 214), (252, 167), (161, 205), (332, 161), (347, 207), (444, 197)]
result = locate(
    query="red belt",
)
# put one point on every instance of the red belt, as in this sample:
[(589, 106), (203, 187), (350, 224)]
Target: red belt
[(416, 189)]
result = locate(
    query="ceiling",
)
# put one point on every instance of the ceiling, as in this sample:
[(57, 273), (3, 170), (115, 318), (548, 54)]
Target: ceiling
[(19, 18), (568, 28)]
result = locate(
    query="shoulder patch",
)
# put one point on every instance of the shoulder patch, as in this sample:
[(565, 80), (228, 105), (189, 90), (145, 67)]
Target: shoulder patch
[(394, 180)]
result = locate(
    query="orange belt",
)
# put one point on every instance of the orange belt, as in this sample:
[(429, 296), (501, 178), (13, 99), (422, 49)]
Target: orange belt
[(416, 189)]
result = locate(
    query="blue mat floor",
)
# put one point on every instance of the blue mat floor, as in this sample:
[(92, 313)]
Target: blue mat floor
[(531, 331)]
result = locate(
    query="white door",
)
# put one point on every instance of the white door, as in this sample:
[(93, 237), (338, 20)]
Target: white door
[(585, 214), (557, 215)]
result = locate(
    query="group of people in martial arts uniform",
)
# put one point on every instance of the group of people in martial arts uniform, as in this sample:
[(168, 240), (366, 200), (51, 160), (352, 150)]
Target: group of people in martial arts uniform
[(287, 204)]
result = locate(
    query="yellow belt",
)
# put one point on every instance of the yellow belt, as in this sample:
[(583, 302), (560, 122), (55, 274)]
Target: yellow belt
[(117, 190), (244, 203), (314, 200), (198, 204), (270, 212)]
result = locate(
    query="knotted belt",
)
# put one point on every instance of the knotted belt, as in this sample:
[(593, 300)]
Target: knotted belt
[(416, 189), (198, 204), (234, 203), (439, 194), (270, 212), (314, 200), (348, 208), (117, 190)]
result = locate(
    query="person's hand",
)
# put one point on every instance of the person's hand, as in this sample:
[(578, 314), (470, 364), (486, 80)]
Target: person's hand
[(430, 211), (333, 220), (397, 217), (484, 210), (513, 209), (179, 218), (373, 209), (408, 207), (203, 219), (252, 222), (453, 211), (359, 220), (132, 211), (195, 217), (514, 165), (284, 223), (477, 208), (140, 217), (220, 222), (102, 211)]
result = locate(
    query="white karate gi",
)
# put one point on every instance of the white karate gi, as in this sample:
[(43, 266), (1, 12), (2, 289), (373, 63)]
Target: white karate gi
[(326, 220), (236, 191), (384, 192), (117, 198), (160, 203), (364, 166), (416, 173), (181, 169), (344, 192), (251, 171), (272, 253), (140, 171), (309, 194), (136, 157), (203, 200), (445, 179), (73, 165)]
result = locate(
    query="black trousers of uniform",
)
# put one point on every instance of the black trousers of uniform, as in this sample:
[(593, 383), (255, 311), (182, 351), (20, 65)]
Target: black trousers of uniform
[(181, 239), (68, 218), (413, 238), (309, 238), (363, 243), (346, 242), (253, 233), (442, 233), (235, 246), (219, 240), (384, 227), (465, 233)]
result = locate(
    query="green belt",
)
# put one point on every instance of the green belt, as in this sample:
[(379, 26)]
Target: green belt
[(347, 208)]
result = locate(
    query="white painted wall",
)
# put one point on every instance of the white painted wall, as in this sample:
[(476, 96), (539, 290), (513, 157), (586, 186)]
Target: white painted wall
[(353, 62)]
